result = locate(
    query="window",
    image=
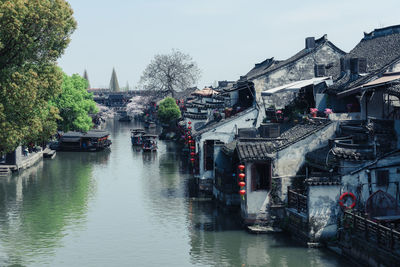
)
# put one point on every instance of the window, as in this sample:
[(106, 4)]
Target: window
[(260, 176), (209, 155), (382, 178), (319, 70)]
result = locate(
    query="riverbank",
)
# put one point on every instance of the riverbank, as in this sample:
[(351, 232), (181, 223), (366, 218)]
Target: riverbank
[(121, 207)]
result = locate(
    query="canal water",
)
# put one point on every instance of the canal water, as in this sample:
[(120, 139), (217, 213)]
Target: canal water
[(127, 208)]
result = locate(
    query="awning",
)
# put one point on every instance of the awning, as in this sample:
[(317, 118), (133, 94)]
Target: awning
[(281, 96), (387, 78), (294, 86), (205, 92)]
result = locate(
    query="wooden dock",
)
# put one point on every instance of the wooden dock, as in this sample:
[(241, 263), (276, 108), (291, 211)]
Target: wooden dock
[(5, 170), (49, 153), (27, 162)]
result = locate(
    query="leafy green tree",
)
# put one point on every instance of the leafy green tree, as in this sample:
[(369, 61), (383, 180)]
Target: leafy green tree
[(168, 110), (75, 104), (33, 35)]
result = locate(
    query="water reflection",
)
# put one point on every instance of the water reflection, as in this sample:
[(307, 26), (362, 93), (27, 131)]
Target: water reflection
[(39, 204), (149, 157), (127, 208), (217, 239)]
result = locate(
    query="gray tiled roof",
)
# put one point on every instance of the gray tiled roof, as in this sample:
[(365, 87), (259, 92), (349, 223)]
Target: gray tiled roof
[(394, 90), (380, 48), (259, 149), (214, 124), (89, 134), (270, 64)]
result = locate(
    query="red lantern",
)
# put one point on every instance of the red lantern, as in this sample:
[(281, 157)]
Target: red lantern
[(192, 159), (192, 147), (190, 127), (242, 184), (242, 175), (241, 167), (189, 137), (242, 192), (189, 122), (192, 154)]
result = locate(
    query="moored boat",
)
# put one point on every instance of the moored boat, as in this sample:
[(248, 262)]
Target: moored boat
[(93, 140), (149, 142), (136, 136), (149, 124)]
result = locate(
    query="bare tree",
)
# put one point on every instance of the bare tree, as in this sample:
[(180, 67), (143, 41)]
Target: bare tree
[(170, 73)]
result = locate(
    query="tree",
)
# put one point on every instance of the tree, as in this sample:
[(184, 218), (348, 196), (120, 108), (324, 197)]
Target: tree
[(170, 73), (33, 35), (168, 110), (75, 104), (114, 86), (86, 77)]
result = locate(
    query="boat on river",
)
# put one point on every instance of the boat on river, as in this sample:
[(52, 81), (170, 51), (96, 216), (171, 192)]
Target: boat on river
[(149, 124), (149, 142), (137, 136), (93, 140)]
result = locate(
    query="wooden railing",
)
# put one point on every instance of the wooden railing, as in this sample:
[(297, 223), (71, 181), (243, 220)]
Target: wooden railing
[(297, 201), (384, 237)]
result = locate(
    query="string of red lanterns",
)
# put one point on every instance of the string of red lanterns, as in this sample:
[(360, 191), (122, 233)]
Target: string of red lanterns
[(191, 143), (242, 183)]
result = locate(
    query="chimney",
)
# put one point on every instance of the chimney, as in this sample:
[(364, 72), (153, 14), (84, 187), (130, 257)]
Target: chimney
[(269, 130), (310, 42)]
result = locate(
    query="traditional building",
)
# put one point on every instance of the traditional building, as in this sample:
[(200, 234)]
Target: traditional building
[(273, 164), (375, 55), (318, 58)]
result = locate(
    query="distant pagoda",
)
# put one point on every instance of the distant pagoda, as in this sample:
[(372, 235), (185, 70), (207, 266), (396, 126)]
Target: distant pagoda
[(86, 77), (114, 86)]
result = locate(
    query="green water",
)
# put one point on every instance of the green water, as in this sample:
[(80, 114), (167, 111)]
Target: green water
[(126, 208)]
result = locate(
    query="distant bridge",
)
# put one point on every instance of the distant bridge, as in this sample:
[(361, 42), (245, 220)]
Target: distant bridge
[(110, 98)]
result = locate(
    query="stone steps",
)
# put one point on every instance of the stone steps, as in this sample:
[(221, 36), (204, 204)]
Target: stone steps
[(4, 171)]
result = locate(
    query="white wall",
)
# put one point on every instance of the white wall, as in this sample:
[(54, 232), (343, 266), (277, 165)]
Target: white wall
[(224, 132), (350, 182), (323, 209), (299, 70), (289, 160), (345, 116), (254, 199)]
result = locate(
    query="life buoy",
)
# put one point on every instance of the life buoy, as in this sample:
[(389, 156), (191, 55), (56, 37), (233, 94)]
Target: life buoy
[(343, 196)]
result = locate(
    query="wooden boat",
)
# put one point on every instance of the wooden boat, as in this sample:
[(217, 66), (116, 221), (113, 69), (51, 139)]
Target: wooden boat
[(149, 124), (93, 140), (149, 142), (136, 136)]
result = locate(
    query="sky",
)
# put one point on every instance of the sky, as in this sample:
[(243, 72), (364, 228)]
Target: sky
[(225, 37)]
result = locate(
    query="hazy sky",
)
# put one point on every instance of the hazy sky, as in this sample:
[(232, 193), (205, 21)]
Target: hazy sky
[(225, 37)]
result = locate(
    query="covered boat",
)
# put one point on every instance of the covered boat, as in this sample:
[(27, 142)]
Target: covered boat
[(93, 140), (149, 142), (149, 124), (136, 136)]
